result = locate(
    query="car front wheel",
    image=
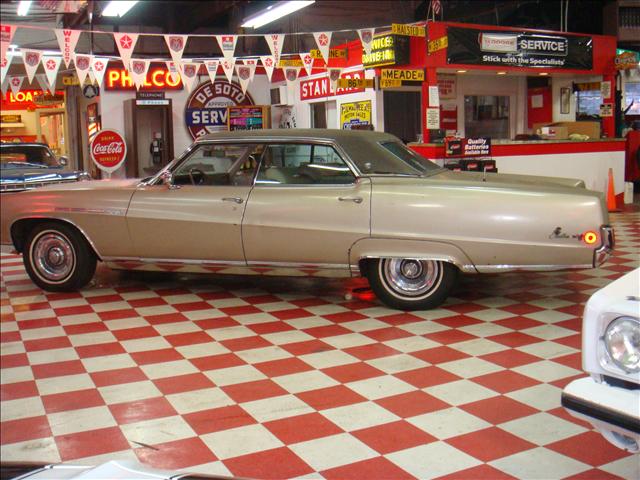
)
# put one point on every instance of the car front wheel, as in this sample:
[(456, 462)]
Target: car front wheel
[(58, 258), (411, 284)]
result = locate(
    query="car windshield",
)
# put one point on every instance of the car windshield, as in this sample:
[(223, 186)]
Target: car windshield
[(402, 161), (26, 156)]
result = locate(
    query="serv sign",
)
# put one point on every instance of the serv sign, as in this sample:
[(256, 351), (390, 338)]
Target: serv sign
[(108, 150)]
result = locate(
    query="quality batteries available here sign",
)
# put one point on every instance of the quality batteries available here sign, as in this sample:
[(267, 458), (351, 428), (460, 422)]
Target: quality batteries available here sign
[(355, 113), (519, 49)]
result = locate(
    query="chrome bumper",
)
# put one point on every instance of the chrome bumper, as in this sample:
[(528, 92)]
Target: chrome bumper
[(604, 251)]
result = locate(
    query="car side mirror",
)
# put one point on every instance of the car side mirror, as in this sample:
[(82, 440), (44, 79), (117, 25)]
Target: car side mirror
[(64, 161), (167, 180)]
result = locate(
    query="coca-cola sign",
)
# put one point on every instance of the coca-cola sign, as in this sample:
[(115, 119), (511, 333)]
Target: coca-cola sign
[(108, 150)]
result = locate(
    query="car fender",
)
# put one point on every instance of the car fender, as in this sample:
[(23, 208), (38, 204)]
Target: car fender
[(397, 248)]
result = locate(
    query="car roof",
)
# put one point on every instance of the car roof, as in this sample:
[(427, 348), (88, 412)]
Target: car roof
[(340, 136)]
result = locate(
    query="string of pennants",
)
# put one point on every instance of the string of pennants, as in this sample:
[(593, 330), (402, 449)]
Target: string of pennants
[(94, 66)]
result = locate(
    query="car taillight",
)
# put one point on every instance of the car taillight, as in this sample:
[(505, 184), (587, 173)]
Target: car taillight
[(590, 237)]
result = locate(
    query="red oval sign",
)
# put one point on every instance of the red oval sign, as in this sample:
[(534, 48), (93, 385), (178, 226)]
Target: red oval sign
[(108, 150)]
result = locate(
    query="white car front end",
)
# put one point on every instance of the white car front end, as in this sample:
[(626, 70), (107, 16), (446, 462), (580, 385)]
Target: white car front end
[(610, 398)]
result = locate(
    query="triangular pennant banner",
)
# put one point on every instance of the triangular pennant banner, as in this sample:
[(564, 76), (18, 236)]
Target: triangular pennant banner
[(227, 66), (334, 75), (6, 34), (268, 62), (176, 44), (366, 37), (41, 78), (244, 76), (4, 67), (51, 67), (16, 83), (174, 71), (190, 74), (275, 42), (291, 74), (212, 69), (125, 42), (31, 59), (67, 40), (83, 64), (227, 44), (4, 86), (307, 62), (139, 69), (252, 63), (323, 40), (99, 67)]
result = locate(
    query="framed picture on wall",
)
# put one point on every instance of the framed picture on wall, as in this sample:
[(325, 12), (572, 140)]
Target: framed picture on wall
[(565, 100)]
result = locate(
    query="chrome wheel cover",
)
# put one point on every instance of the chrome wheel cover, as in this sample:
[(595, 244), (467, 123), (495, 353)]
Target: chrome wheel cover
[(52, 256), (410, 277)]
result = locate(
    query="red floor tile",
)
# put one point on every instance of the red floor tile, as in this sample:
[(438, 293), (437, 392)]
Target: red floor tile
[(514, 339), (135, 333), (496, 410), (192, 306), (117, 314), (160, 319), (371, 351), (147, 302), (270, 327), (588, 447), (118, 376), (176, 455), (91, 443), (156, 356), (573, 341), (85, 328), (505, 381), (285, 366), (291, 314), (309, 346), (38, 323), (386, 334), (13, 391), (392, 437), (352, 372), (427, 377), (343, 317), (14, 360), (375, 468), (256, 390), (518, 323), (62, 402), (183, 383), (510, 358), (457, 321), (439, 355), (594, 474), (76, 310), (327, 331), (6, 337), (104, 299), (139, 410), (260, 299), (245, 343), (31, 428), (46, 344), (521, 308), (214, 362), (412, 403), (57, 369), (217, 419), (481, 472), (490, 444), (241, 310), (30, 307), (269, 464), (447, 337), (330, 397), (190, 338), (100, 350), (213, 323), (302, 428), (400, 319)]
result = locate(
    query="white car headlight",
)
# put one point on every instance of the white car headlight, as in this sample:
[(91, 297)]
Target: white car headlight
[(622, 341)]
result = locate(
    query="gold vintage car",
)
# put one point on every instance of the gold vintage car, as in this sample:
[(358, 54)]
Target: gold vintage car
[(325, 202)]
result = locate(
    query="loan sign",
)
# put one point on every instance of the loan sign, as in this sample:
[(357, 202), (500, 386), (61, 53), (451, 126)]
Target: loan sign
[(108, 150)]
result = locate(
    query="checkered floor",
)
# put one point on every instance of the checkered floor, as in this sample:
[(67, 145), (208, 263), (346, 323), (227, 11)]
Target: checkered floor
[(273, 378)]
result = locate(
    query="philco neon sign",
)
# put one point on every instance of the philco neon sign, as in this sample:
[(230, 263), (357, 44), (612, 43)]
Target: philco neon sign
[(158, 78)]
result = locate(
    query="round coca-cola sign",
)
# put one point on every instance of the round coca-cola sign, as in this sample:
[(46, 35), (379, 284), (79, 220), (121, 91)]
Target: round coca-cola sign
[(108, 150)]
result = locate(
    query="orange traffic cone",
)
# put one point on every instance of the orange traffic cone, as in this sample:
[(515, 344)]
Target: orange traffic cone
[(612, 206)]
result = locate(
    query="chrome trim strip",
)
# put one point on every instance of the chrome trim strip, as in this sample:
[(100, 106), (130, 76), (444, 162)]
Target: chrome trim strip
[(529, 268), (40, 217), (604, 251), (310, 266), (231, 263), (100, 211)]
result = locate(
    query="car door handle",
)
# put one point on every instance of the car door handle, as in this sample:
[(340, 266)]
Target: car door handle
[(350, 199), (237, 200)]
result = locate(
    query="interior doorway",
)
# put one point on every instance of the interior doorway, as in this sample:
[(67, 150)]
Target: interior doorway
[(149, 134), (402, 115), (51, 130)]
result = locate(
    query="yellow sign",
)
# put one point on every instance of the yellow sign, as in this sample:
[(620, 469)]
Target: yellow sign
[(355, 83), (406, 75), (390, 83), (333, 53), (355, 114), (438, 44), (410, 30), (70, 80), (290, 62)]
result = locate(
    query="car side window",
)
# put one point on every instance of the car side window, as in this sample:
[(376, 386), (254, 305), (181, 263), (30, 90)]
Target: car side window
[(219, 164), (303, 164)]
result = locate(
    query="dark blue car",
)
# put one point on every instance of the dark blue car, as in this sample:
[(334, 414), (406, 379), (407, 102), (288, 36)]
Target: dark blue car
[(24, 166)]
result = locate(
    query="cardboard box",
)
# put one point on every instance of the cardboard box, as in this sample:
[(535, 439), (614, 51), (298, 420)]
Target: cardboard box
[(562, 130)]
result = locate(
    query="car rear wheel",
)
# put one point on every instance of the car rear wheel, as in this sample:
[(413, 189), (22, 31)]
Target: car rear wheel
[(58, 258), (411, 284)]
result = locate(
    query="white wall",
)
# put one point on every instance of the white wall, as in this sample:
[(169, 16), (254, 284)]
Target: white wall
[(567, 82), (112, 111)]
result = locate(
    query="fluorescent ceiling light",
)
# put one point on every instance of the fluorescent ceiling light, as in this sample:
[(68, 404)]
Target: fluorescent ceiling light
[(23, 8), (274, 12), (117, 8)]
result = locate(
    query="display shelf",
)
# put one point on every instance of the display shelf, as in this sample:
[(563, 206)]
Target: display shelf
[(248, 117)]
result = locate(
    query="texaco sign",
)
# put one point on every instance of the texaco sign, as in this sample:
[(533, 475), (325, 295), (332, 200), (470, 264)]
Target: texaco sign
[(206, 109)]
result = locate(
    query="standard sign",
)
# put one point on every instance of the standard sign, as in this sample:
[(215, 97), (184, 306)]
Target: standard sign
[(402, 75), (355, 83), (410, 30)]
